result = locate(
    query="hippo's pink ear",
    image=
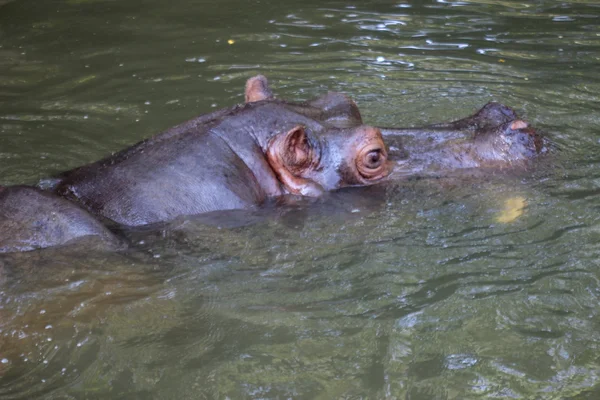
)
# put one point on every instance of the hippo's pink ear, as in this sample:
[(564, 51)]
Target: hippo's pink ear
[(296, 149), (290, 155), (257, 89)]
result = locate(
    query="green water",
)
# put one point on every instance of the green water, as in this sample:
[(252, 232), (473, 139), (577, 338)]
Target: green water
[(409, 290)]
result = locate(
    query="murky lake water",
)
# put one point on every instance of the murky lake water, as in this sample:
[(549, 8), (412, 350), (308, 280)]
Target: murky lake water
[(409, 290)]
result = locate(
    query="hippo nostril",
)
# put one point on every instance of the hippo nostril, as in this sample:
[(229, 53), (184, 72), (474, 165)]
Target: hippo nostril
[(518, 124)]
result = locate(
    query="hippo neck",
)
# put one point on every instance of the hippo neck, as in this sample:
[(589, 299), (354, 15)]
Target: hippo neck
[(248, 131)]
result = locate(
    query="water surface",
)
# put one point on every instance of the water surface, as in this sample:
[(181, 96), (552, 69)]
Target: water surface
[(410, 290)]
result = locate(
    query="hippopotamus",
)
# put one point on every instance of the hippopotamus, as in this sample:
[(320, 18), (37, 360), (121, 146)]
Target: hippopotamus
[(234, 158), (239, 157), (33, 219)]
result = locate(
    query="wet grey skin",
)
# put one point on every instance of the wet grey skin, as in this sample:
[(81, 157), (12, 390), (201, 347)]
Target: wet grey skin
[(488, 118), (219, 162), (236, 158), (493, 137), (32, 219)]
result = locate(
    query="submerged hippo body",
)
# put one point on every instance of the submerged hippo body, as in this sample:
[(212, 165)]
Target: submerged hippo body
[(33, 219), (238, 157), (233, 159)]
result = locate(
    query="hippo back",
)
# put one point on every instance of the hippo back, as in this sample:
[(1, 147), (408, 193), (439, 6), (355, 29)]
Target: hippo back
[(186, 174)]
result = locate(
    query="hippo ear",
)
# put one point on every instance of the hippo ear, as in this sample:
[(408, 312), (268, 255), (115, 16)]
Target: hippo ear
[(338, 110), (290, 155), (296, 149), (257, 89)]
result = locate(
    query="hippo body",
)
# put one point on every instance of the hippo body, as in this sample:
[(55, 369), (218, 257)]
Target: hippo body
[(232, 159), (33, 219), (239, 157)]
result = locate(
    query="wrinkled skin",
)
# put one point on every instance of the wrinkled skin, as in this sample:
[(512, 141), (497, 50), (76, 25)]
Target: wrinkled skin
[(233, 159), (33, 219)]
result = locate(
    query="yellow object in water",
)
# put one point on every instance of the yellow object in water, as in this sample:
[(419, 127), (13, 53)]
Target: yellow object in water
[(513, 209), (231, 41)]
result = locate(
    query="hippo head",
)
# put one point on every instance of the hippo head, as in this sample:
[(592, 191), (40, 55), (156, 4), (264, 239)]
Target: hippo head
[(308, 163), (512, 141), (333, 109), (334, 152)]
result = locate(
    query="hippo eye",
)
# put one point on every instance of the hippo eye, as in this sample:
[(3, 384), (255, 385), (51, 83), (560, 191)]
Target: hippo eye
[(374, 159), (371, 162)]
